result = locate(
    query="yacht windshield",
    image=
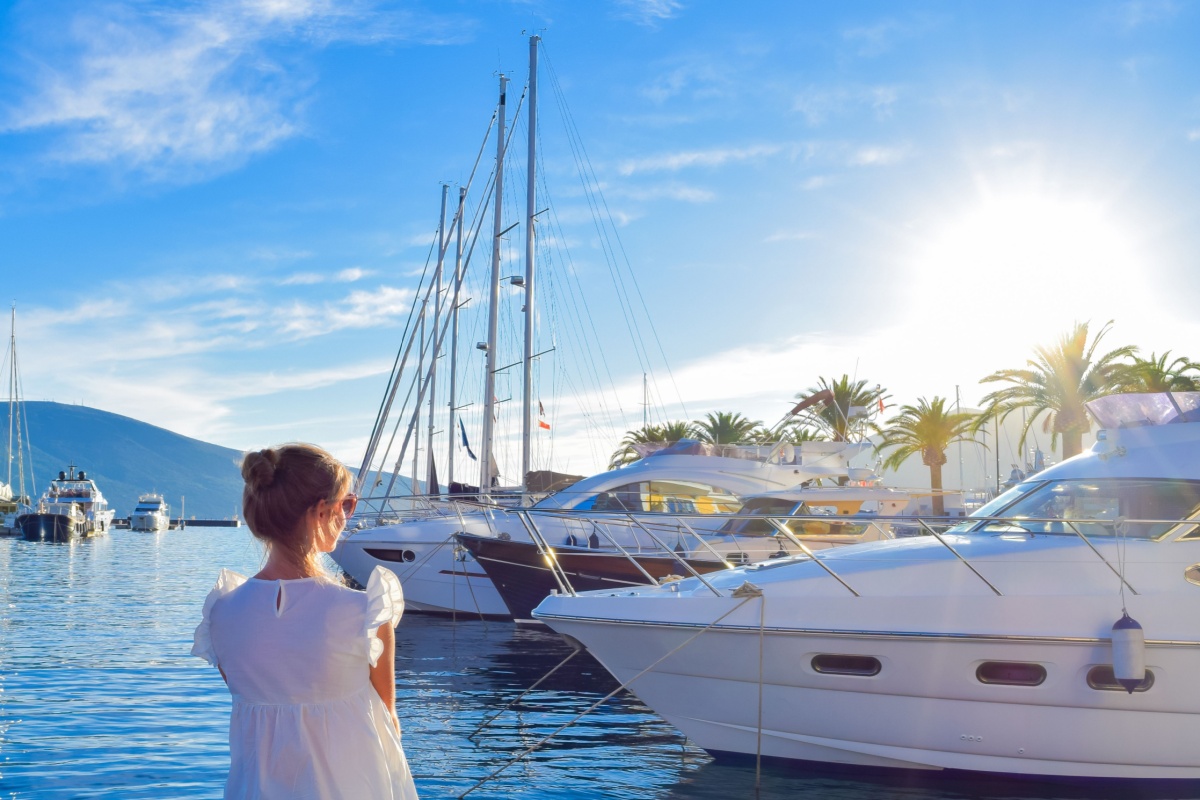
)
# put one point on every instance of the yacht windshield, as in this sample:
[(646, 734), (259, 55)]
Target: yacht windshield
[(1137, 508), (994, 506), (746, 524)]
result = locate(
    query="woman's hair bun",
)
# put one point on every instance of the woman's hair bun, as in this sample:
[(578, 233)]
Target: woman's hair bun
[(258, 468)]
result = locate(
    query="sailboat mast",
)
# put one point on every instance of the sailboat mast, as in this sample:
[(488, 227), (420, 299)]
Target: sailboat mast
[(489, 389), (417, 407), (451, 430), (431, 469), (12, 388), (530, 213)]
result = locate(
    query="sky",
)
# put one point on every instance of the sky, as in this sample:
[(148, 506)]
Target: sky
[(215, 216)]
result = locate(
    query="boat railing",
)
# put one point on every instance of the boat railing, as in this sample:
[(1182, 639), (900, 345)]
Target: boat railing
[(373, 512), (942, 529)]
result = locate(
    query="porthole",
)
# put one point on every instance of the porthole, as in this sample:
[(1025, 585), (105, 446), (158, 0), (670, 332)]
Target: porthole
[(1011, 673), (1101, 677), (829, 664), (384, 554)]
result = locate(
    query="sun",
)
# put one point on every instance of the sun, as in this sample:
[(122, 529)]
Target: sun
[(1030, 254)]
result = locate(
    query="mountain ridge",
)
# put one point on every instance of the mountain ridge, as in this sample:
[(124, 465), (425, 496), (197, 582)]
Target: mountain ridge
[(127, 458)]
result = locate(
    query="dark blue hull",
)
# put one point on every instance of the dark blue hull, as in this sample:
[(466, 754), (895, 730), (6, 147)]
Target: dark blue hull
[(49, 527)]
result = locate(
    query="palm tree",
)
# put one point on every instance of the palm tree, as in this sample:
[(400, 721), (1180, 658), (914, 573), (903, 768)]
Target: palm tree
[(1156, 375), (927, 428), (794, 434), (726, 427), (834, 418), (1058, 382), (670, 432)]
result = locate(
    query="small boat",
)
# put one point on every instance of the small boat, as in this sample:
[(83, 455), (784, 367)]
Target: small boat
[(150, 514), (71, 508), (1053, 634)]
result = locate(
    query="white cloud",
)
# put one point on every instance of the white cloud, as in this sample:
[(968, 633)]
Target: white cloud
[(648, 12), (790, 236), (673, 162), (877, 156), (350, 275), (818, 105), (1137, 13), (172, 91)]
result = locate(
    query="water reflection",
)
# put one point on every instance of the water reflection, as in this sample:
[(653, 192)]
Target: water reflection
[(99, 697)]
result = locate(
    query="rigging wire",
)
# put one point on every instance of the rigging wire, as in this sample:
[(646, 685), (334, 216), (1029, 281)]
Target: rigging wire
[(616, 236)]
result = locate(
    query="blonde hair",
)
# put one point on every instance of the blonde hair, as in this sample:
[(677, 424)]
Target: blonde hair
[(282, 484)]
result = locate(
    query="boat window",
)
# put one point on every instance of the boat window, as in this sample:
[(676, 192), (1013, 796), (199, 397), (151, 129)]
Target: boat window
[(749, 522), (829, 664), (1011, 673), (1101, 677), (993, 507), (1136, 508), (669, 497), (836, 525), (387, 554)]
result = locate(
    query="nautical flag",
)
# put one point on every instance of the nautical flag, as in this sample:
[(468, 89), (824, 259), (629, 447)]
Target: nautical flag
[(881, 405), (543, 424), (541, 413), (466, 444), (541, 409)]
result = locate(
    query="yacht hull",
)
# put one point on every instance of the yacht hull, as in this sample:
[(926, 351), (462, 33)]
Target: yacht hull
[(735, 689), (524, 579), (149, 523), (50, 527), (437, 576)]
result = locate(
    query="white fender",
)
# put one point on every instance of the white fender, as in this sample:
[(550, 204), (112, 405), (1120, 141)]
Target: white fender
[(1128, 652)]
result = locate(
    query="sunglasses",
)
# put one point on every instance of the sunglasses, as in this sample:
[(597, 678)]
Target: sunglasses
[(348, 504)]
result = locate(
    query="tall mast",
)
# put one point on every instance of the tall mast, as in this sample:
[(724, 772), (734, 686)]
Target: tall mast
[(417, 408), (452, 430), (12, 388), (489, 388), (530, 213), (431, 469)]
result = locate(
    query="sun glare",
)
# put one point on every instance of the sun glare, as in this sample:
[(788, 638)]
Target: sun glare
[(1045, 259)]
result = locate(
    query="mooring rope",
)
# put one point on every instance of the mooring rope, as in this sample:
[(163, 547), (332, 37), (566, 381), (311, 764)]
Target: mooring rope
[(746, 595), (521, 696), (762, 624)]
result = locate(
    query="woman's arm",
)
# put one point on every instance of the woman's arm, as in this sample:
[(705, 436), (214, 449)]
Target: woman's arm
[(383, 674)]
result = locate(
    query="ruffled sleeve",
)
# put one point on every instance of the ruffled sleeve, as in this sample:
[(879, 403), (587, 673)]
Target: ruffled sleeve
[(202, 645), (385, 604)]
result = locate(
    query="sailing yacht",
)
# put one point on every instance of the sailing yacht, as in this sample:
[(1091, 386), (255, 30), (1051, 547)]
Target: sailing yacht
[(415, 536), (14, 500), (1054, 633)]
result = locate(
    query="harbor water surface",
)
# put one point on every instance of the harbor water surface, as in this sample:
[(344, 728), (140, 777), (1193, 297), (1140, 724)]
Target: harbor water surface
[(100, 698)]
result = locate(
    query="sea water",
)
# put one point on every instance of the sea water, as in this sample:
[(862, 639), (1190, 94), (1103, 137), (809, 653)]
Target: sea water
[(100, 698)]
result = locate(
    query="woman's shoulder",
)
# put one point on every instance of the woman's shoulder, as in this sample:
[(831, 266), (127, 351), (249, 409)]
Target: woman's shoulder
[(227, 582)]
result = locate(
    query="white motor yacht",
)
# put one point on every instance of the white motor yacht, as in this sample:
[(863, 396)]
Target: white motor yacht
[(998, 646), (71, 507), (586, 551), (150, 514), (440, 576)]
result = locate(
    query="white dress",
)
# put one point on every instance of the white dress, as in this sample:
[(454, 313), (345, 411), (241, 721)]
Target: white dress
[(306, 721)]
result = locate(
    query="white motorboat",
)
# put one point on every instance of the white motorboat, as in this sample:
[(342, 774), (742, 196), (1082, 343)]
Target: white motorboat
[(72, 507), (150, 514), (989, 648), (440, 576), (587, 551)]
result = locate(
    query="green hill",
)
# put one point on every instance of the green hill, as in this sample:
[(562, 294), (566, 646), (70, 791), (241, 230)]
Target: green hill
[(127, 458)]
